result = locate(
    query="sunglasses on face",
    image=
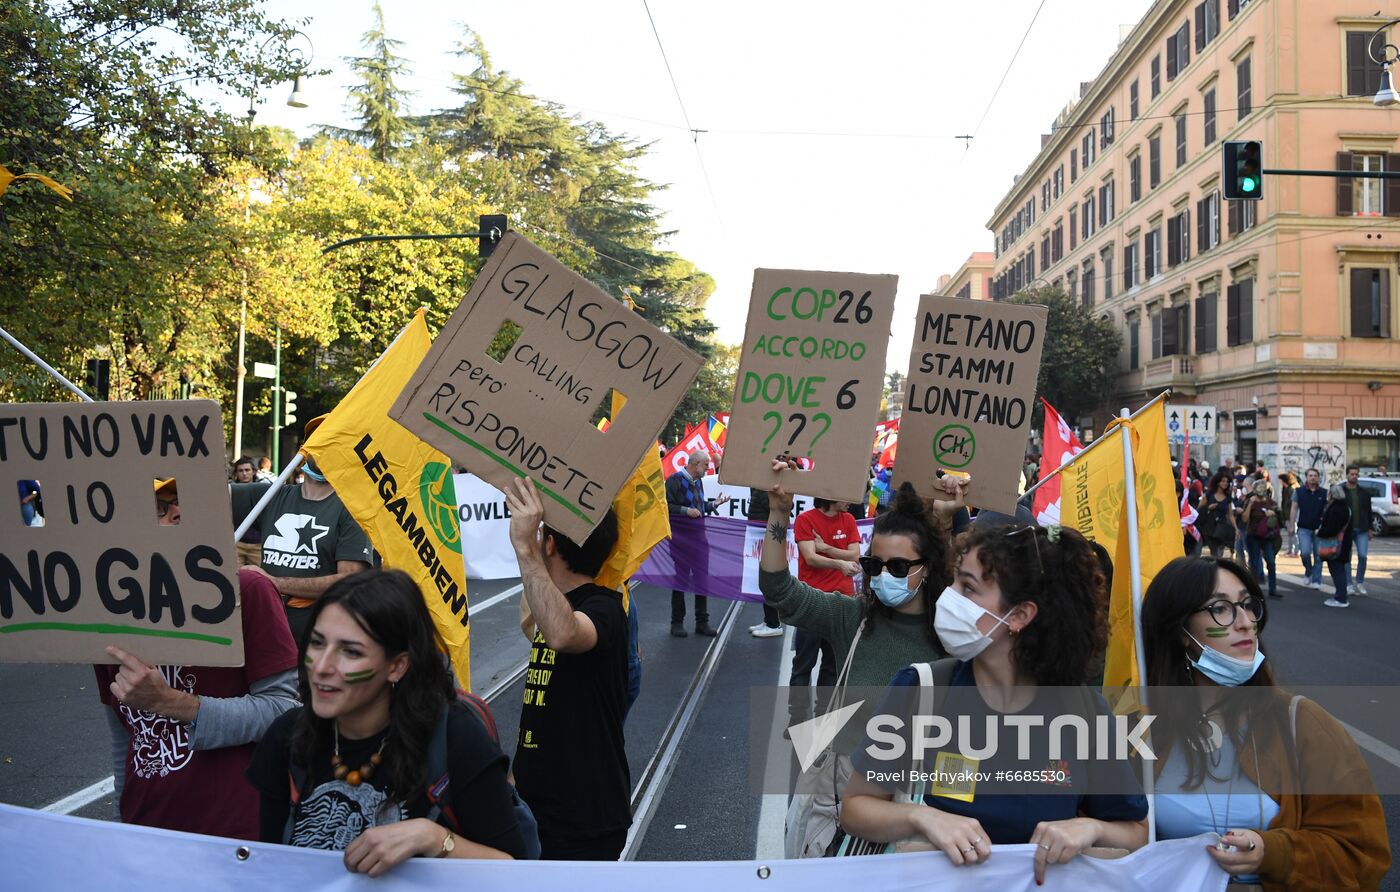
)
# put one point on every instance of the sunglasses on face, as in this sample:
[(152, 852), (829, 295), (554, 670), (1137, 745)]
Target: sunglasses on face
[(1224, 612), (899, 567)]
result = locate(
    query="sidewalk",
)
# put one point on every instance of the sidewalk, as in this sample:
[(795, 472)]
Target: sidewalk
[(1382, 570)]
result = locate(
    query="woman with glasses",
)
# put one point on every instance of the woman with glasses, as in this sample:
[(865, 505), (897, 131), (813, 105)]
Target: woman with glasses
[(1025, 621), (1275, 776), (888, 625)]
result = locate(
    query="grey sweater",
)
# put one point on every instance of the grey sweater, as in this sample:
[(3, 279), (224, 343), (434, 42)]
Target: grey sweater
[(895, 642)]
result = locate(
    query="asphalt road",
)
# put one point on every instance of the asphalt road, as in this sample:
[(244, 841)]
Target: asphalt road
[(54, 742)]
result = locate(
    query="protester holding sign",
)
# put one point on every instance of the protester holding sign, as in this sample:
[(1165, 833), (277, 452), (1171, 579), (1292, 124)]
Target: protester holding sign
[(182, 736), (1276, 776), (352, 770), (570, 762), (1026, 613)]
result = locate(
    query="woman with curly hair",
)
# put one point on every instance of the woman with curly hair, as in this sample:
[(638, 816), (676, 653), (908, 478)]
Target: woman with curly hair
[(1024, 614), (1276, 776), (348, 771)]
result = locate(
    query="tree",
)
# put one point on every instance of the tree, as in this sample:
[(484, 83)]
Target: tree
[(1080, 353), (378, 100)]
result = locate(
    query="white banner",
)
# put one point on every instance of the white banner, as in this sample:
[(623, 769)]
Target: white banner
[(57, 853), (485, 522)]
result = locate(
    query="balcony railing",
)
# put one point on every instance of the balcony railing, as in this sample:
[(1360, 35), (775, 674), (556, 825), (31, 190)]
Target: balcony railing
[(1168, 370)]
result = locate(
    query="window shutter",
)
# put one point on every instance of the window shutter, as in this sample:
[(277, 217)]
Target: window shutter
[(1360, 301), (1233, 218), (1185, 229), (1344, 187), (1234, 8), (1392, 187), (1171, 57), (1246, 311), (1232, 315), (1183, 329), (1200, 28), (1202, 245), (1173, 242), (1385, 302), (1127, 268), (1215, 205), (1212, 310), (1168, 324), (1200, 325)]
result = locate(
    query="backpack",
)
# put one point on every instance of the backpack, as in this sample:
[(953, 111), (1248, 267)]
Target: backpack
[(439, 780)]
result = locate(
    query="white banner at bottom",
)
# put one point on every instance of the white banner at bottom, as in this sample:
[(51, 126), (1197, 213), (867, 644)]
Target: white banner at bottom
[(42, 852)]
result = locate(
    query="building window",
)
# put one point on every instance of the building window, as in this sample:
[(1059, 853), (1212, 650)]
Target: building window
[(1179, 51), (1134, 178), (1107, 259), (1154, 160), (1059, 181), (1073, 226), (1086, 150), (1241, 215), (1134, 342), (1208, 102), (1370, 303), (1205, 323), (1073, 165), (1130, 265), (1156, 76), (1365, 196), (1363, 72), (1087, 217), (1155, 318), (1106, 202), (1207, 24), (1208, 222), (1169, 331), (1045, 251), (1058, 243), (1088, 283), (1181, 138), (1178, 238), (1235, 6), (1152, 254), (1045, 196), (1133, 101), (1072, 283), (1243, 89), (965, 292), (1239, 313)]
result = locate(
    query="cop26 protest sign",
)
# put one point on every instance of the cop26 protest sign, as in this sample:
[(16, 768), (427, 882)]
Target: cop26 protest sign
[(527, 409), (968, 396), (103, 569), (810, 380)]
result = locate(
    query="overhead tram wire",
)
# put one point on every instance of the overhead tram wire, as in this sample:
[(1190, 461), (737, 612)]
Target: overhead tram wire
[(997, 92), (694, 133)]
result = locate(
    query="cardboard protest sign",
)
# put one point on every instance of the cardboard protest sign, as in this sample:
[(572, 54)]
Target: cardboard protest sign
[(103, 570), (810, 379), (968, 396), (529, 410)]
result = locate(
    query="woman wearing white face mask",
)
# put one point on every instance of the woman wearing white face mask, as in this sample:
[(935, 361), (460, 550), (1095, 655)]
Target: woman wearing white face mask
[(1026, 612), (1239, 757)]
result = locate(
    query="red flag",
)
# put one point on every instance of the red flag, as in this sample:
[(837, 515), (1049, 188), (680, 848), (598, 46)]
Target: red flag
[(695, 438), (1059, 446)]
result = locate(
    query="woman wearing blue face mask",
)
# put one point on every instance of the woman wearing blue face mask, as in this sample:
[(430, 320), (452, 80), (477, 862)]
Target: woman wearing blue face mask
[(1025, 614), (1239, 757)]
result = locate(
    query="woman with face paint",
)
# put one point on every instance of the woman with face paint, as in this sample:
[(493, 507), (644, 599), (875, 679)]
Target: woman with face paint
[(1025, 613), (349, 770), (1276, 777), (886, 626)]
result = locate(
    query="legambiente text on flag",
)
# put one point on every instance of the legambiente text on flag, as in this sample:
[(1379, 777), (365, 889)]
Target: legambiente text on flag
[(399, 489)]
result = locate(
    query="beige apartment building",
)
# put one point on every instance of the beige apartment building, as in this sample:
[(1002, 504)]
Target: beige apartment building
[(1281, 313), (972, 281)]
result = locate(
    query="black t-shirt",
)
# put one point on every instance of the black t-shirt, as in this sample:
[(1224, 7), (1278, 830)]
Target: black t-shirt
[(333, 813), (570, 764)]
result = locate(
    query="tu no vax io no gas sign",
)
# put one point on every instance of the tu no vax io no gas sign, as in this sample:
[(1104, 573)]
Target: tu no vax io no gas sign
[(968, 396)]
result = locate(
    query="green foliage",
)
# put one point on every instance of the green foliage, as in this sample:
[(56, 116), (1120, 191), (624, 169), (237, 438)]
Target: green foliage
[(379, 102), (1081, 352)]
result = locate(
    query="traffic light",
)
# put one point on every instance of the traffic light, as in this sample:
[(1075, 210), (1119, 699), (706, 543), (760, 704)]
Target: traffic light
[(491, 229), (289, 407), (1242, 173)]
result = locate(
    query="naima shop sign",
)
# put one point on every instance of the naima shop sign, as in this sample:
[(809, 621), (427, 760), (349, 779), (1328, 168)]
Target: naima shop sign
[(1198, 420)]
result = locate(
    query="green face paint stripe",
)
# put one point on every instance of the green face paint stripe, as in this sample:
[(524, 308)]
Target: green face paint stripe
[(113, 629), (307, 662), (1218, 633), (358, 677)]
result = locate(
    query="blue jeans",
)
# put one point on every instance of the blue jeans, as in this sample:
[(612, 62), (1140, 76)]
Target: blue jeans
[(26, 510), (1261, 552), (1362, 540), (1307, 547)]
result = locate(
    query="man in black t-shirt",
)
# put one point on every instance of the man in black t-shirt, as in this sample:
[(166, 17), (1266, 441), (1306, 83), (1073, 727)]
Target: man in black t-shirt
[(570, 765)]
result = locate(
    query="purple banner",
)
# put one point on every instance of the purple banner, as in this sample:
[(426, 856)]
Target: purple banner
[(716, 556)]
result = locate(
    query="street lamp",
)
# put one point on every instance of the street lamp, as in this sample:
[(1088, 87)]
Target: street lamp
[(296, 100), (1390, 54)]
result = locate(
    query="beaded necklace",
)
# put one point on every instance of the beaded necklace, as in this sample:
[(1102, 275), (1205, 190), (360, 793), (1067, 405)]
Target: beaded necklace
[(355, 777)]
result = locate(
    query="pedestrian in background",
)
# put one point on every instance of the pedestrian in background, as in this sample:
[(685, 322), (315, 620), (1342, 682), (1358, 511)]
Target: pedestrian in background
[(1359, 501), (685, 495), (1334, 543), (1309, 501)]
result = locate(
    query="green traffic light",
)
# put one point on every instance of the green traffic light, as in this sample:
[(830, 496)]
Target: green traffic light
[(1248, 184)]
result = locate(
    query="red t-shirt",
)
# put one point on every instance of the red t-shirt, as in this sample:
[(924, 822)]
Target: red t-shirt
[(838, 532), (169, 784)]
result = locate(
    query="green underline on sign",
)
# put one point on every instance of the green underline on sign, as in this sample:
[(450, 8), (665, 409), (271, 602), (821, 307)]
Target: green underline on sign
[(519, 472), (113, 629)]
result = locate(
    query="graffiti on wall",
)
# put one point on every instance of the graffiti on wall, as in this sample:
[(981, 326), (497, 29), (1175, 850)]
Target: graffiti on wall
[(1328, 458)]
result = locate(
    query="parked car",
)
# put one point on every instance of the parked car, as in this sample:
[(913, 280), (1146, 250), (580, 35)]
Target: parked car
[(1384, 491)]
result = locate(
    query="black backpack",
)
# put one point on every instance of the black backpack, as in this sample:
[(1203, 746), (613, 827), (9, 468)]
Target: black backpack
[(439, 780)]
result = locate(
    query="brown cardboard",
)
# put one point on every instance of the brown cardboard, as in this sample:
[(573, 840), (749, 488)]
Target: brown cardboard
[(968, 396), (819, 396), (102, 570), (530, 413)]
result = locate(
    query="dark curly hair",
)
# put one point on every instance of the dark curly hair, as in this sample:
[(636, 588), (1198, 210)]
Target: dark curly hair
[(389, 607), (909, 515), (1064, 580)]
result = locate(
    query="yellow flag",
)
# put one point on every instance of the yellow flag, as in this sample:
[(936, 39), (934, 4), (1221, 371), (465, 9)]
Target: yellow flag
[(1091, 501), (399, 489), (642, 517), (6, 178)]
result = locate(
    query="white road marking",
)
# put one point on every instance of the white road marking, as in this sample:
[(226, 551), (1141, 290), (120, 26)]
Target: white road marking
[(87, 795), (772, 814), (495, 599), (1378, 747)]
